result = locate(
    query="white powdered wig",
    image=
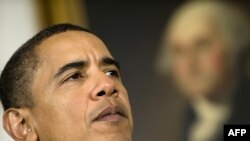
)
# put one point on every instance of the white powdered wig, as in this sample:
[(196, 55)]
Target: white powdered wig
[(232, 23)]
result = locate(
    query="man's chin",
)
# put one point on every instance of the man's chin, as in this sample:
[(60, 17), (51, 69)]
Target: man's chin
[(112, 134), (112, 138), (195, 92), (193, 87)]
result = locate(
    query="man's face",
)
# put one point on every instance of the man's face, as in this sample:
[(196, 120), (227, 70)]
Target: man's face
[(78, 92), (198, 56)]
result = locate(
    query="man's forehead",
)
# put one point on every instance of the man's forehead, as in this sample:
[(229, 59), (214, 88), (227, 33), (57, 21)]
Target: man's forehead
[(71, 44), (192, 30), (69, 39)]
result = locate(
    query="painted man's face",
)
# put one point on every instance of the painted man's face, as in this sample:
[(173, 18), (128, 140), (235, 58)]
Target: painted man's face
[(198, 56)]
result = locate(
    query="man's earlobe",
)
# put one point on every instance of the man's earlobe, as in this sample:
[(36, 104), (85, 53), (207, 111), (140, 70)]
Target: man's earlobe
[(17, 126)]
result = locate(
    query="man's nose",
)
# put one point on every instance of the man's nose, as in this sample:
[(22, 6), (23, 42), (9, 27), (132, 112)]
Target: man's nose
[(190, 59), (105, 87)]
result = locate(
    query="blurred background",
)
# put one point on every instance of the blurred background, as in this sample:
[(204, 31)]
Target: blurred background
[(134, 31)]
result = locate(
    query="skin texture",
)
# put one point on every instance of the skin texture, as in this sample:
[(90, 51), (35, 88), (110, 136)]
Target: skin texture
[(199, 57), (65, 105)]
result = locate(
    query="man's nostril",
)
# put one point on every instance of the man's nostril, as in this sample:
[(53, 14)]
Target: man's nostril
[(115, 91), (101, 93)]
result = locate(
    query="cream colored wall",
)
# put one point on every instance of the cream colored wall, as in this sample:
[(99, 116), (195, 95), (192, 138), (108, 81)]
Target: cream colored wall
[(18, 22)]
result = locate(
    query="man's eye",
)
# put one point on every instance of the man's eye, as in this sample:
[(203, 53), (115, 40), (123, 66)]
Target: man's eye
[(74, 76), (113, 73), (203, 44), (176, 50)]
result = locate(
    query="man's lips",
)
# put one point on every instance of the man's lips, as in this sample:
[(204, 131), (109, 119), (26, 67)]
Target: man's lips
[(111, 113)]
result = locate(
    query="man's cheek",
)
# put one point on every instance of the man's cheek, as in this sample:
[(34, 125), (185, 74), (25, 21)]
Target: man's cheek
[(215, 61), (179, 70), (76, 108)]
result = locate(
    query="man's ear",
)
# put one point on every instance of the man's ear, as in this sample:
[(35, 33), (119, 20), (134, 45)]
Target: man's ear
[(16, 124)]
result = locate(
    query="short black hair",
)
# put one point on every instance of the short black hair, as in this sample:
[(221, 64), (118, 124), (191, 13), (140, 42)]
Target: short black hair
[(17, 76)]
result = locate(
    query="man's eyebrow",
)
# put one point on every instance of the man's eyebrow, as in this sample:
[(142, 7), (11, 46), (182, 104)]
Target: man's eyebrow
[(72, 65), (109, 61)]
